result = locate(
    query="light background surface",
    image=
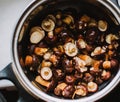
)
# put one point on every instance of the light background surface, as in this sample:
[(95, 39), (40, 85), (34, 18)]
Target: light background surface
[(10, 12)]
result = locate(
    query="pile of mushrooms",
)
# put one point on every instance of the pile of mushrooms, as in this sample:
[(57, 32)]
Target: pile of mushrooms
[(71, 55)]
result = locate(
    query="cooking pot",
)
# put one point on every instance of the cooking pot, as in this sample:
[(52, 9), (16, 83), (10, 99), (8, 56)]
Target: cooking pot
[(14, 71)]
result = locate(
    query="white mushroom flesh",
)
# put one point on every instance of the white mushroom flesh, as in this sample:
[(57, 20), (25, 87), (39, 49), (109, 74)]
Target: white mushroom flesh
[(80, 64), (37, 34), (102, 25), (46, 73), (98, 51), (48, 25), (70, 49), (92, 87), (81, 43), (110, 38)]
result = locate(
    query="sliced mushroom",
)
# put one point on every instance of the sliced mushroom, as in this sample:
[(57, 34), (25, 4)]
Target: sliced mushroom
[(70, 49), (98, 50), (88, 60), (46, 73), (70, 79), (49, 85), (92, 87), (92, 23), (28, 60), (51, 38), (42, 82), (110, 38), (59, 74), (105, 75), (81, 90), (95, 69), (58, 90), (36, 35), (40, 51), (81, 44), (47, 55), (68, 19), (54, 59), (106, 64), (48, 25), (68, 91), (46, 64), (88, 77), (80, 64), (102, 25)]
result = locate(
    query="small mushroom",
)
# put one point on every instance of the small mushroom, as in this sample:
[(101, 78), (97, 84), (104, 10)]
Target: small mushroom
[(88, 60), (46, 64), (59, 74), (81, 44), (102, 25), (110, 38), (68, 19), (81, 25), (70, 49), (98, 51), (79, 64), (48, 25), (105, 75), (78, 76), (92, 23), (59, 50), (92, 87), (60, 87), (21, 62), (107, 65), (68, 91), (40, 51), (114, 63), (36, 35), (28, 60), (88, 77), (47, 55), (46, 73), (95, 69), (54, 59), (98, 80), (81, 90), (70, 79), (67, 65), (51, 38)]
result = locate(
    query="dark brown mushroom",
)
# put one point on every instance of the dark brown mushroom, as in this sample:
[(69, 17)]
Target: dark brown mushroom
[(88, 77), (81, 90), (70, 79), (68, 91), (58, 74)]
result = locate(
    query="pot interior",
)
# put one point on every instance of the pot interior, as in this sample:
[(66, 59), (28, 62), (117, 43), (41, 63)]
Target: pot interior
[(93, 8)]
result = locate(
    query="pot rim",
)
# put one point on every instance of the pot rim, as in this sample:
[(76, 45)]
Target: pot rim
[(25, 82)]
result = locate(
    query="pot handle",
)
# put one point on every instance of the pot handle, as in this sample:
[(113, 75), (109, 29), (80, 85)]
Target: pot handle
[(7, 73)]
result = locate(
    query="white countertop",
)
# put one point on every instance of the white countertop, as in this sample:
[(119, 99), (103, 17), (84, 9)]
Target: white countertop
[(10, 12)]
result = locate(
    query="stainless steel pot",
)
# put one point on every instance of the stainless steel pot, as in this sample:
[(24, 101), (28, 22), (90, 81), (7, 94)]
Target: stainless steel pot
[(101, 7)]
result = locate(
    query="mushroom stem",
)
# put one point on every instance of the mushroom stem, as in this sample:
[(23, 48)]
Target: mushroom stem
[(42, 82)]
